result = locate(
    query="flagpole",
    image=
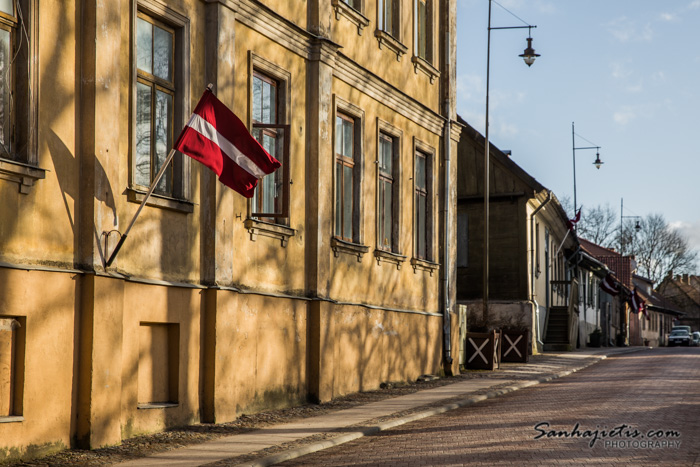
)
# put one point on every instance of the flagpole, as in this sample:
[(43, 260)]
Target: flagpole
[(159, 175)]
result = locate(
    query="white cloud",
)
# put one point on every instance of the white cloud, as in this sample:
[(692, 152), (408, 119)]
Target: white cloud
[(659, 76), (546, 7), (635, 88), (470, 87), (694, 5), (624, 116), (690, 230), (507, 130), (668, 17), (627, 30), (621, 70)]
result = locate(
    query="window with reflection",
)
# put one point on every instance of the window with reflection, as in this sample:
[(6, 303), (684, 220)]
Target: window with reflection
[(16, 86), (356, 4), (270, 201), (423, 29), (423, 217), (387, 201), (344, 177), (155, 94), (388, 16)]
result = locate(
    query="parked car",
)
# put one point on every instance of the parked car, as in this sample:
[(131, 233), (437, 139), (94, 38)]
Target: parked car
[(677, 328), (679, 337), (695, 339)]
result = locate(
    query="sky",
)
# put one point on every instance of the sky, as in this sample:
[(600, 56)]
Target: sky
[(626, 73)]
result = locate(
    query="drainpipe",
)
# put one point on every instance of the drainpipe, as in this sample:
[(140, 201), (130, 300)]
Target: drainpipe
[(532, 300), (446, 318)]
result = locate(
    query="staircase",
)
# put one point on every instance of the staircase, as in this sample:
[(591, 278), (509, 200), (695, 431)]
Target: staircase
[(557, 331)]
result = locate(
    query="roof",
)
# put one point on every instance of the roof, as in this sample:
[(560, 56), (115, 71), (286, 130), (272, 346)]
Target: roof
[(621, 266), (595, 249), (500, 156), (654, 299)]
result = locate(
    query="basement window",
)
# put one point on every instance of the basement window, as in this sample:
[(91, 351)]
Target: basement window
[(158, 367), (12, 345)]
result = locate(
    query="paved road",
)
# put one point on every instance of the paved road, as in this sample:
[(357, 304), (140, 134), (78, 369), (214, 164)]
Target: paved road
[(641, 408)]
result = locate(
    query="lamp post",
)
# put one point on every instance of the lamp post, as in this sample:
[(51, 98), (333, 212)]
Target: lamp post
[(637, 226), (597, 161), (529, 57)]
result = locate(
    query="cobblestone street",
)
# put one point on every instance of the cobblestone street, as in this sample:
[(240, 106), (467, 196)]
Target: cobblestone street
[(631, 409)]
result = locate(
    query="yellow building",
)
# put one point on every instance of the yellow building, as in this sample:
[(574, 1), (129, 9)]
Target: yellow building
[(338, 275)]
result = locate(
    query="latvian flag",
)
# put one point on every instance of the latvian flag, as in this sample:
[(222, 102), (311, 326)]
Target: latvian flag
[(609, 285), (637, 303), (571, 223), (218, 139)]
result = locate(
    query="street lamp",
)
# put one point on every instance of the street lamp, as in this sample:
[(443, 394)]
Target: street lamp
[(637, 225), (529, 57), (597, 161)]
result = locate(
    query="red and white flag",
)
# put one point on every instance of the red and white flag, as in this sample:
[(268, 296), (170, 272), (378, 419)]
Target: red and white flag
[(218, 139), (637, 303), (571, 223), (609, 285)]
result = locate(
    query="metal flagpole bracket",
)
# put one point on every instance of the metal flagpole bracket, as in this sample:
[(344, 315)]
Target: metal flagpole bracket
[(157, 178), (106, 236)]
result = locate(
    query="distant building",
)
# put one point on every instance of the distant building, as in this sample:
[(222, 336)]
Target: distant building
[(661, 314), (684, 292), (615, 321), (531, 286)]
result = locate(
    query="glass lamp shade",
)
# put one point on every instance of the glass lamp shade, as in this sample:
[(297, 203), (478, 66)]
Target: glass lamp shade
[(529, 54)]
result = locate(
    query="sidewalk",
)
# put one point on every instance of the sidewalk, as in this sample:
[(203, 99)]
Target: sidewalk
[(282, 442)]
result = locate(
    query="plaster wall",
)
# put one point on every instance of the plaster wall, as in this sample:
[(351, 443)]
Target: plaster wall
[(260, 355), (370, 346), (45, 362), (162, 307)]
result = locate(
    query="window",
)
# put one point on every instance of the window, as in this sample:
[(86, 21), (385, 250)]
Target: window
[(12, 342), (388, 16), (348, 171), (388, 31), (356, 4), (155, 92), (388, 184), (161, 104), (423, 206), (424, 30), (270, 201), (18, 85), (8, 37), (423, 43), (344, 178)]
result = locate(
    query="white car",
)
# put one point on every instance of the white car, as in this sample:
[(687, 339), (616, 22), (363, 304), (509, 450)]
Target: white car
[(695, 339), (679, 337)]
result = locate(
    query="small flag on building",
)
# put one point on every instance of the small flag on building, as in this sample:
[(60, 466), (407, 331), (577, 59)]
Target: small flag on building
[(218, 139), (609, 285), (637, 303), (571, 223)]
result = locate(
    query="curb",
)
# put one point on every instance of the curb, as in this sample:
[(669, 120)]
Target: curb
[(321, 445)]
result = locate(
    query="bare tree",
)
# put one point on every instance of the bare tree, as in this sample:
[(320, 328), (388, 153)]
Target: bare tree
[(598, 224), (658, 248)]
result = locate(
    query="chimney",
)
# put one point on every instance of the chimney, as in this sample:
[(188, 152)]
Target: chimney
[(686, 279)]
